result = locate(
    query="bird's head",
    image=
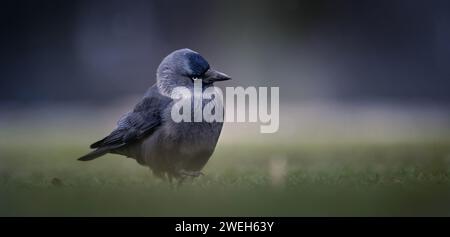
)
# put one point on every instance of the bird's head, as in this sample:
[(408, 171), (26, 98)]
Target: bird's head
[(182, 68)]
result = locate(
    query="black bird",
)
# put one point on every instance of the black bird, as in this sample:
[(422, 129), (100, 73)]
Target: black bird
[(148, 133)]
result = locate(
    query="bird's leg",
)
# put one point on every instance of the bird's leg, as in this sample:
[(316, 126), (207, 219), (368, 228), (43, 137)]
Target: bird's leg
[(180, 181), (169, 177)]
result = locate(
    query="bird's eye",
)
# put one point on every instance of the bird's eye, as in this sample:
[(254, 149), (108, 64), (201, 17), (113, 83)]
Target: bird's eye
[(195, 78)]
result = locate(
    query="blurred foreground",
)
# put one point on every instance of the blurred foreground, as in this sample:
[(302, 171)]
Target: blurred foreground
[(382, 162)]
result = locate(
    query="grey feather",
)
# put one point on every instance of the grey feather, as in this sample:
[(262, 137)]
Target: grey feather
[(149, 135), (137, 124)]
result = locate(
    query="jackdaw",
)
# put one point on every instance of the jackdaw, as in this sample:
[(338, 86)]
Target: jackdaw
[(148, 134)]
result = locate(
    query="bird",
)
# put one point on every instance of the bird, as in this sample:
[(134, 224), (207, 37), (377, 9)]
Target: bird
[(172, 150)]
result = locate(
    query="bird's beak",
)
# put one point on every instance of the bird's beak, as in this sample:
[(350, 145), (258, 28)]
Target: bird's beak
[(212, 76)]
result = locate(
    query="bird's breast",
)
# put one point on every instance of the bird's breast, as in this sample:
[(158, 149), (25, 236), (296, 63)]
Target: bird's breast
[(193, 135)]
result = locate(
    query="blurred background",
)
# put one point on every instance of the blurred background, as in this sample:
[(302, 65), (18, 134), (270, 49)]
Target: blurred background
[(378, 70), (364, 102)]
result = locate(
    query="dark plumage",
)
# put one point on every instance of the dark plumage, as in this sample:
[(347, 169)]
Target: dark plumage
[(197, 64), (149, 135)]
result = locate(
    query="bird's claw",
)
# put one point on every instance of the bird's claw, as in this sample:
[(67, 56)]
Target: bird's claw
[(193, 174)]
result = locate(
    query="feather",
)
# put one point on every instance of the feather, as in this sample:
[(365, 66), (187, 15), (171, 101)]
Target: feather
[(133, 126)]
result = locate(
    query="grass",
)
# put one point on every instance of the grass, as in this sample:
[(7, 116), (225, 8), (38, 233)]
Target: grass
[(44, 179)]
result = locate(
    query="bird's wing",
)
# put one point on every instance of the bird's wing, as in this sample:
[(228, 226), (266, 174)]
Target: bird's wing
[(137, 124)]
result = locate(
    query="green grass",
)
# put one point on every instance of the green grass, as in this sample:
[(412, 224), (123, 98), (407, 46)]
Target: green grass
[(44, 179)]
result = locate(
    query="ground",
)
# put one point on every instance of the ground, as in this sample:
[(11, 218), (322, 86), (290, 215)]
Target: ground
[(398, 179)]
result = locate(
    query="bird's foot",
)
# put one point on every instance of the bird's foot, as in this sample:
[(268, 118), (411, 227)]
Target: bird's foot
[(182, 175), (193, 174)]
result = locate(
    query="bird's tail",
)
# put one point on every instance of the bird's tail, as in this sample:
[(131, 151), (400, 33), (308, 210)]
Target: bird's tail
[(94, 154)]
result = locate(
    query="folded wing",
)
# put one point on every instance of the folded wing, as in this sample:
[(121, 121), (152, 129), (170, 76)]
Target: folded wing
[(133, 126)]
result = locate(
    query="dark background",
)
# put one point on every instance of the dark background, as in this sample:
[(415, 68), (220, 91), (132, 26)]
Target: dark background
[(364, 120), (97, 51)]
